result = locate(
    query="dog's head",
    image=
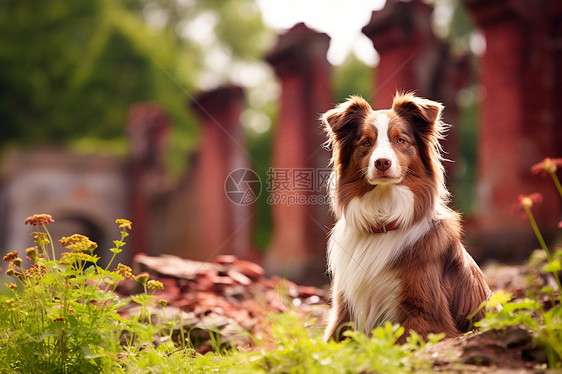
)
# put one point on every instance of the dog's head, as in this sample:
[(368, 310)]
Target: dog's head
[(398, 146)]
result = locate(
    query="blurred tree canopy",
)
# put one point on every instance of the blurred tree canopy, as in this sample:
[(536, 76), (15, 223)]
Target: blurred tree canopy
[(352, 77), (71, 69)]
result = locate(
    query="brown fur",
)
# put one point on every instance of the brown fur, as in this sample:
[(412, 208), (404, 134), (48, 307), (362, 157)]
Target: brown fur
[(440, 284)]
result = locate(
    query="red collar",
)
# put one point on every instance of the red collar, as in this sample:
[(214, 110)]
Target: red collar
[(385, 227)]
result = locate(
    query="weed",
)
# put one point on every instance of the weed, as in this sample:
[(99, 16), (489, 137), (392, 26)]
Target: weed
[(62, 314), (545, 321)]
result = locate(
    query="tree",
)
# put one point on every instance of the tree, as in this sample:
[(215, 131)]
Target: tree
[(71, 69)]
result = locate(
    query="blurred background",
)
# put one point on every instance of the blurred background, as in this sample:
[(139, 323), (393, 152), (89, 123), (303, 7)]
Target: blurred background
[(143, 109)]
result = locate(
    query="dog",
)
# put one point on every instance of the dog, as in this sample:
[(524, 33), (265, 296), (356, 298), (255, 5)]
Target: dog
[(395, 253)]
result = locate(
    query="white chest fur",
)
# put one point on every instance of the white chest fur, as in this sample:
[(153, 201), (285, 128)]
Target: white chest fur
[(359, 260)]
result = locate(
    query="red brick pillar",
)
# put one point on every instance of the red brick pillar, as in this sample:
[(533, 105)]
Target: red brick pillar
[(225, 226), (413, 58), (147, 129), (516, 118), (555, 36), (299, 236), (409, 51)]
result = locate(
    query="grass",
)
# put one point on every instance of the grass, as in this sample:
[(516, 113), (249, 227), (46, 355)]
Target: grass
[(295, 348)]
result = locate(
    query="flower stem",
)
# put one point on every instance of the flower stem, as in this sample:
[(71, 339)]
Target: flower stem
[(110, 261), (556, 182), (542, 243), (50, 240), (118, 247), (538, 233)]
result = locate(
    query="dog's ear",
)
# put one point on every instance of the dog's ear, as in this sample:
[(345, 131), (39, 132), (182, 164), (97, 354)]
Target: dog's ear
[(345, 117), (423, 114)]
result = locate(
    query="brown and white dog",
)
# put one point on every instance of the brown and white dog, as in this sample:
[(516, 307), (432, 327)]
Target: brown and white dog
[(395, 253)]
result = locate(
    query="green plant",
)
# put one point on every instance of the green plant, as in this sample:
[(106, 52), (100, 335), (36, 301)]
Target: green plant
[(62, 315), (300, 349), (545, 321)]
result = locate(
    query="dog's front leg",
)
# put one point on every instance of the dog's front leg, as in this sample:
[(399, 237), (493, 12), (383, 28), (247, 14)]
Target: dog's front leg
[(339, 315)]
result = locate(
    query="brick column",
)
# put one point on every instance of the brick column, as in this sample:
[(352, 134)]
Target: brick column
[(553, 26), (413, 58), (147, 129), (409, 51), (225, 227), (299, 236), (516, 118)]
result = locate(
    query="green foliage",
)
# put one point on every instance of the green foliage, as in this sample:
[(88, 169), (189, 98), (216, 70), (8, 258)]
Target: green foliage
[(72, 69), (353, 77), (545, 325), (296, 347), (541, 311), (299, 349), (62, 315), (259, 147)]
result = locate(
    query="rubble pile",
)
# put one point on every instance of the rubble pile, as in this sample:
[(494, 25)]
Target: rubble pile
[(228, 295), (235, 298)]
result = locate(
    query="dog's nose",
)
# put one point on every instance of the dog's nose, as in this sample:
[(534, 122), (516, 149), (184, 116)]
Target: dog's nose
[(383, 164)]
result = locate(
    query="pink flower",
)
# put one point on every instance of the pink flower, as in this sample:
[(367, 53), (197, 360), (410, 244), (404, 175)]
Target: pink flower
[(547, 166), (525, 202), (39, 219)]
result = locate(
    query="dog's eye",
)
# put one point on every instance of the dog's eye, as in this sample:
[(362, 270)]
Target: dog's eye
[(366, 143), (401, 140)]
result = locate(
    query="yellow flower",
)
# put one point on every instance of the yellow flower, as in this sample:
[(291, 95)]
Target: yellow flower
[(124, 223), (78, 243), (72, 257), (155, 285), (124, 270), (142, 278), (39, 219)]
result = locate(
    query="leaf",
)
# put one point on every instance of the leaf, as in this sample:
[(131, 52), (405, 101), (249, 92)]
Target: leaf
[(89, 354), (547, 290), (90, 270), (498, 298), (103, 296), (141, 299), (526, 304), (434, 338), (553, 267)]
